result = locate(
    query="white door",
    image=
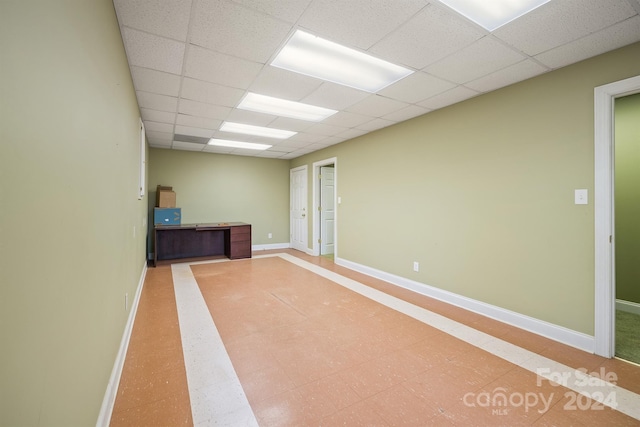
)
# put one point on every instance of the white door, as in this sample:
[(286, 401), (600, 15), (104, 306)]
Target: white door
[(327, 210), (298, 208)]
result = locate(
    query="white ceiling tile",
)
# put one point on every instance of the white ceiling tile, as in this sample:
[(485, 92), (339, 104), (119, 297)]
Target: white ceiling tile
[(309, 138), (273, 81), (150, 51), (154, 101), (159, 136), (622, 34), (157, 116), (250, 117), (352, 133), (457, 94), (326, 130), (335, 96), (203, 64), (416, 87), (198, 122), (155, 81), (211, 93), (289, 144), (191, 131), (359, 23), (375, 124), (428, 37), (217, 149), (376, 106), (159, 143), (291, 124), (269, 154), (406, 113), (189, 146), (287, 10), (347, 119), (168, 18), (483, 57), (513, 74), (236, 30), (559, 22), (158, 127), (200, 109)]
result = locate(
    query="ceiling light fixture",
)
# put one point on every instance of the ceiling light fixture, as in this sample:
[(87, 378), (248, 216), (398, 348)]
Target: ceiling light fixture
[(238, 144), (310, 55), (282, 107), (256, 130), (492, 14)]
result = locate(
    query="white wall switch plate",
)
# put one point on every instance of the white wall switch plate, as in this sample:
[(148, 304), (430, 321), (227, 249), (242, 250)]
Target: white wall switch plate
[(581, 197)]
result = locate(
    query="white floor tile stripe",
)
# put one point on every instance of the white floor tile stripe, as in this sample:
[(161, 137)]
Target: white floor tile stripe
[(217, 398), (214, 386), (606, 393)]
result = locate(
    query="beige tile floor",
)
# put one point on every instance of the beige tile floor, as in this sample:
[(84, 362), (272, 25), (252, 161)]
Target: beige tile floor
[(308, 351)]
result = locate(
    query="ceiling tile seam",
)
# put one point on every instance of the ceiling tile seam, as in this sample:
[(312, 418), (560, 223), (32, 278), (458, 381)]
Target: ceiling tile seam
[(577, 39), (397, 28), (185, 58), (635, 4), (460, 17), (149, 33)]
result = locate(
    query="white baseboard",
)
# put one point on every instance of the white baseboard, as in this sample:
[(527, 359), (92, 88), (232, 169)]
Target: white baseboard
[(555, 332), (270, 246), (104, 418), (628, 306)]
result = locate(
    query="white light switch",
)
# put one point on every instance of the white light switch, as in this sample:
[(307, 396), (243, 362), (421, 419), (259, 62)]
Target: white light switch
[(339, 199), (581, 197)]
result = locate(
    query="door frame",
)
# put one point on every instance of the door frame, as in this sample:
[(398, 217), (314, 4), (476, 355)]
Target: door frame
[(302, 168), (316, 203), (605, 290)]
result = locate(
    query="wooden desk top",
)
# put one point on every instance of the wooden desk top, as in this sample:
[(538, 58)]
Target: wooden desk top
[(201, 226)]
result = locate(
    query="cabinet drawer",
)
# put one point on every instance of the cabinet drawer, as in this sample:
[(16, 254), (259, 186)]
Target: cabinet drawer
[(244, 229), (240, 250)]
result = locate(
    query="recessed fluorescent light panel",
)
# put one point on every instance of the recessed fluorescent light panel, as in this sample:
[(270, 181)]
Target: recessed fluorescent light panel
[(256, 130), (493, 14), (238, 144), (284, 108), (310, 55)]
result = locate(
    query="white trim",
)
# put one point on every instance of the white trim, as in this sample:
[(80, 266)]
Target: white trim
[(604, 211), (270, 246), (142, 174), (215, 392), (625, 401), (306, 219), (104, 418), (628, 306), (557, 333), (315, 250)]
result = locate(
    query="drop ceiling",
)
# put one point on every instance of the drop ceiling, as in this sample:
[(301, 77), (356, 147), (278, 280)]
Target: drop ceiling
[(192, 61)]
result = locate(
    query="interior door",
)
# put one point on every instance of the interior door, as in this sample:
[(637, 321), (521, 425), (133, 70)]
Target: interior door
[(327, 210), (298, 208)]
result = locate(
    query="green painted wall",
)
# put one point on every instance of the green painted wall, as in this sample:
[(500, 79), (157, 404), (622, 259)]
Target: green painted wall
[(627, 197), (481, 194), (69, 163), (220, 188)]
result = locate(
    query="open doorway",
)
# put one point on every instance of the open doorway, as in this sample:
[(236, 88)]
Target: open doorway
[(605, 236), (325, 208), (627, 226)]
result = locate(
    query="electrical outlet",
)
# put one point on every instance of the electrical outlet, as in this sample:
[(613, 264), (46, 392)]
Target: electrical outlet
[(270, 235), (416, 266)]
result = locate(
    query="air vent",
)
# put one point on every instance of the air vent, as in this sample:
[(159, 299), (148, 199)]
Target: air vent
[(189, 138)]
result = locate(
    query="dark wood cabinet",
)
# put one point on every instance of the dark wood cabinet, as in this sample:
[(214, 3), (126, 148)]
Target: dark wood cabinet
[(192, 242)]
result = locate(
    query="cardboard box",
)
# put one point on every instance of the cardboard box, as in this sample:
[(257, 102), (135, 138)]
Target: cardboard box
[(167, 216), (165, 197)]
